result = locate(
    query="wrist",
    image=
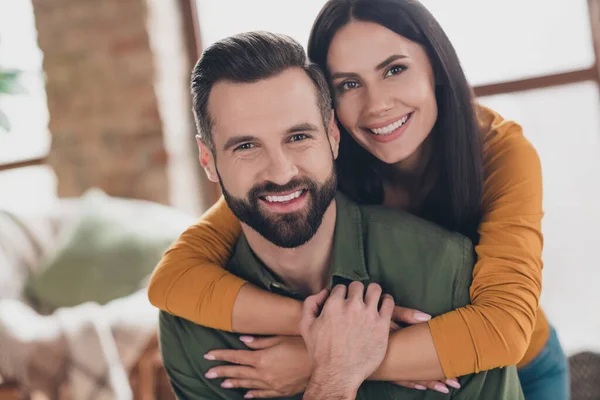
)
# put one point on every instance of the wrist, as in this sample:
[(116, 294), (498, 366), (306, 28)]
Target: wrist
[(295, 315), (327, 391), (326, 383)]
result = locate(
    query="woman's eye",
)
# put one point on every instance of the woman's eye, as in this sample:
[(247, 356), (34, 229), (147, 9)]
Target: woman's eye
[(245, 146), (298, 137), (395, 70), (345, 86)]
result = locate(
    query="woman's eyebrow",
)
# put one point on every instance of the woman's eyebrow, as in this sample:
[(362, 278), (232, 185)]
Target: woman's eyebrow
[(381, 65)]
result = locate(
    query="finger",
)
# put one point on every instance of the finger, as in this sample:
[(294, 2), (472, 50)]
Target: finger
[(310, 309), (261, 343), (387, 307), (452, 382), (409, 316), (394, 326), (373, 295), (410, 385), (244, 384), (339, 291), (240, 357), (435, 385), (232, 371), (356, 291), (262, 394)]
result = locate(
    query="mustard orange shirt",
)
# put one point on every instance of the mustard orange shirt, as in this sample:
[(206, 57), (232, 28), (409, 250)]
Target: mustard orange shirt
[(502, 326)]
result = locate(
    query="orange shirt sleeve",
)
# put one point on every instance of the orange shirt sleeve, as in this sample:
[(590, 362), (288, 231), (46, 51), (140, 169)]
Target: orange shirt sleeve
[(495, 330), (190, 280)]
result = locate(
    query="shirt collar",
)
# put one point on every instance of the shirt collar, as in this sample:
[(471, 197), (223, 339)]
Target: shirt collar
[(348, 261)]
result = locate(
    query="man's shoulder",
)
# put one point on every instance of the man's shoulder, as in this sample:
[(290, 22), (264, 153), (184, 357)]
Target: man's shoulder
[(383, 220)]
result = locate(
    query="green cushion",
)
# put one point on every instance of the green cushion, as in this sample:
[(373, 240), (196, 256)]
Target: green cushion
[(112, 247)]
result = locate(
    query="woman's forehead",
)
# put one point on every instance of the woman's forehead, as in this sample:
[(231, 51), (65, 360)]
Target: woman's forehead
[(362, 44)]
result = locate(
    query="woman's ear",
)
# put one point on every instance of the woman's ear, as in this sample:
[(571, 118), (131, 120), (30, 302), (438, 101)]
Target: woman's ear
[(207, 160)]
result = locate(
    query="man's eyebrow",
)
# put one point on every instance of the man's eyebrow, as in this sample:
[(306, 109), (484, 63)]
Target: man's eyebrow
[(304, 127), (381, 65), (236, 140)]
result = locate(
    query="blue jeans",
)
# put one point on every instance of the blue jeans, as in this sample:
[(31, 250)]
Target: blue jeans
[(547, 375)]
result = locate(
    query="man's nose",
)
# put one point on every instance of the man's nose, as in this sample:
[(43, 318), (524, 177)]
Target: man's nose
[(280, 169)]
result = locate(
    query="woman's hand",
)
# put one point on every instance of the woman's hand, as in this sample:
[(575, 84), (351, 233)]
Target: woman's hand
[(268, 370), (408, 316), (276, 366)]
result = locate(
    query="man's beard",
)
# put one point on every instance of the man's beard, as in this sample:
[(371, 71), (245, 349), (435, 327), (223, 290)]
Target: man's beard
[(287, 230)]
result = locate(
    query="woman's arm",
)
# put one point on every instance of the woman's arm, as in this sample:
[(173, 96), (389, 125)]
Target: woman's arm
[(495, 330), (492, 332), (190, 282)]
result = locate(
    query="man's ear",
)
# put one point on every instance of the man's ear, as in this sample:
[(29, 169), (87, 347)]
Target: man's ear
[(207, 160), (334, 135)]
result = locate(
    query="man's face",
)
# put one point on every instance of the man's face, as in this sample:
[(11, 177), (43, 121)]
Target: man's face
[(272, 155)]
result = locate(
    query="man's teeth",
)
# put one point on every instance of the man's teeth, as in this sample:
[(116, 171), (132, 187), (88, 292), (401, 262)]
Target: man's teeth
[(281, 199), (386, 130)]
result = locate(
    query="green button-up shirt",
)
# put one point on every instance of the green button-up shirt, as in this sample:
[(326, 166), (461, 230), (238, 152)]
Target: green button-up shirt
[(422, 265)]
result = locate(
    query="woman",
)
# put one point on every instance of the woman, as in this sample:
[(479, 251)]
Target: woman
[(413, 139)]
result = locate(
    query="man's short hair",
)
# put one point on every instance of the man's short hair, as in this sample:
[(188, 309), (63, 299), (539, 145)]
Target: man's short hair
[(246, 58)]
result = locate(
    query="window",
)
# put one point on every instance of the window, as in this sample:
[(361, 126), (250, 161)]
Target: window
[(507, 40), (28, 138)]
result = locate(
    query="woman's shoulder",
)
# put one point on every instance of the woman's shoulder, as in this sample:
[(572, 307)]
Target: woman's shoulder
[(509, 157), (503, 139), (499, 134)]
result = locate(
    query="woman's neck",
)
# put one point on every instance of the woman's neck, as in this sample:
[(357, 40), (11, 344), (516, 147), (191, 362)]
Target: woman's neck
[(404, 183)]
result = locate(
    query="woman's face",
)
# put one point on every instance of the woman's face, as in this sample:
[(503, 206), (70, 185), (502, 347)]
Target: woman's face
[(384, 91)]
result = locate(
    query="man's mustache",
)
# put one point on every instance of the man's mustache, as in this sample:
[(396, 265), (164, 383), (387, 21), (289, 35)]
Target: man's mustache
[(270, 187)]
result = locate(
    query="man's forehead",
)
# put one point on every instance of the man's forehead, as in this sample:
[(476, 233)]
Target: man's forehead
[(271, 105)]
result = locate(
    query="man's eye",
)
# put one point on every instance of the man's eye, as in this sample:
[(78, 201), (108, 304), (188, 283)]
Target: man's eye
[(297, 137), (245, 146)]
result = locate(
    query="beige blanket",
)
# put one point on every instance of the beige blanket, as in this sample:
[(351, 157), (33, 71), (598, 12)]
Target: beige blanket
[(92, 347)]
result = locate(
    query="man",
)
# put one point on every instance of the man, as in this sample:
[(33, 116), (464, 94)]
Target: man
[(267, 134)]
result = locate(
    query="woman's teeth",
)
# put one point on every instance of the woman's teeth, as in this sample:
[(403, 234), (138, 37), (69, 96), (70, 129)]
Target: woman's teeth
[(386, 130), (282, 199)]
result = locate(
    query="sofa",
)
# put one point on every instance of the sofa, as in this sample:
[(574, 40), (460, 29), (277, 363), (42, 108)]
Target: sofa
[(74, 316)]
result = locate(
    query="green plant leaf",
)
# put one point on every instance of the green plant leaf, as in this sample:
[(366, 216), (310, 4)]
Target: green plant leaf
[(9, 82), (4, 122)]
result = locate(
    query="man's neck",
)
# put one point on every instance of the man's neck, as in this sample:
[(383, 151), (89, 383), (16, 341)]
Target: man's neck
[(303, 269)]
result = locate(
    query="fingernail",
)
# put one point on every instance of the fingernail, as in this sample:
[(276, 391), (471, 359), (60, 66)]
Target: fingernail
[(419, 316), (211, 375), (248, 396), (209, 357), (453, 383), (420, 387), (441, 388), (247, 339), (226, 385)]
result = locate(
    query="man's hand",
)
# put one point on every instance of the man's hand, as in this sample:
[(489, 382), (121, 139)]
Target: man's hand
[(347, 341)]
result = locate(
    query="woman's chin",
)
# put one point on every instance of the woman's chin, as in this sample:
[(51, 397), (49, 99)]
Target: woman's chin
[(391, 158)]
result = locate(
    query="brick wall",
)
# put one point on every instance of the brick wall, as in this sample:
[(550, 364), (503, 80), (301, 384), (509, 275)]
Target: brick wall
[(108, 125)]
